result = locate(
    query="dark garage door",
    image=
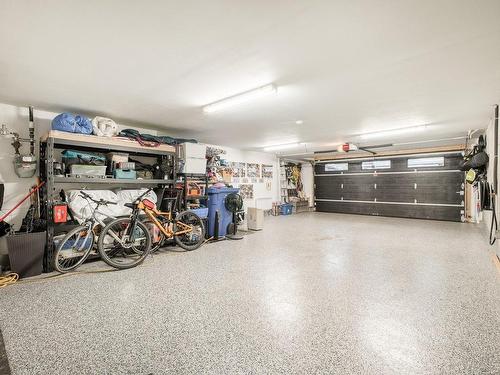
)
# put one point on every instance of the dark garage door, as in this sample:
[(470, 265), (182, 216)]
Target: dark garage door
[(415, 186)]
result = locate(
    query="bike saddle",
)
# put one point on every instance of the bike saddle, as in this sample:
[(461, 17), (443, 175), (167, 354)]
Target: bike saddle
[(129, 205)]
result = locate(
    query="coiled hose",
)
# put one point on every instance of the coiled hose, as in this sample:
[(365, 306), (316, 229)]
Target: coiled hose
[(8, 279)]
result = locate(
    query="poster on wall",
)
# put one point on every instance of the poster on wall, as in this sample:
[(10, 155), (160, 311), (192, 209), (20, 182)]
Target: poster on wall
[(253, 170), (267, 171), (238, 169), (246, 191)]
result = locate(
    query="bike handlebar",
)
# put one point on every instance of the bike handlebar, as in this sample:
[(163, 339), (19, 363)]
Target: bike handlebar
[(105, 202), (85, 195), (100, 201), (143, 194)]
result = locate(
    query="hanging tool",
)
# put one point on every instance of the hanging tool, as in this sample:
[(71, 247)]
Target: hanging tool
[(494, 186)]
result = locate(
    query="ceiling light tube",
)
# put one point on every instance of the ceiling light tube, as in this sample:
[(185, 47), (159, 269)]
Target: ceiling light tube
[(392, 132), (282, 147), (240, 98)]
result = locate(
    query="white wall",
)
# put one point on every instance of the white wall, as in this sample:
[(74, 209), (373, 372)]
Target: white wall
[(16, 119), (263, 198)]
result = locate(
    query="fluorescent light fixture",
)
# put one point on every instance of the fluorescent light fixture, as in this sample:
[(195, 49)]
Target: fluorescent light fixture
[(282, 147), (240, 98), (392, 132)]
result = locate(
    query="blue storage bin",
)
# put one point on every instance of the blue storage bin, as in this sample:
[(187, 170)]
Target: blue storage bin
[(286, 209), (216, 203), (128, 174), (202, 212)]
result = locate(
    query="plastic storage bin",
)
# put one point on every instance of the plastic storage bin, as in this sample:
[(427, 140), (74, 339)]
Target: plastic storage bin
[(193, 156), (202, 212), (192, 150), (88, 170), (216, 203), (126, 174), (194, 165), (286, 208)]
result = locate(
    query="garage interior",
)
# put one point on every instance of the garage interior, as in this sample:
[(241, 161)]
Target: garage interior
[(249, 187)]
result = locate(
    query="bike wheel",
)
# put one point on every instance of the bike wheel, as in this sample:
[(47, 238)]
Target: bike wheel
[(115, 248), (193, 237), (74, 249)]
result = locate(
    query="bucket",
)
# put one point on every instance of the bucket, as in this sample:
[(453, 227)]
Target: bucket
[(286, 209), (26, 253)]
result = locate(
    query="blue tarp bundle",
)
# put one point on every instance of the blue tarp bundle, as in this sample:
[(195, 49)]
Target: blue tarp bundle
[(69, 122)]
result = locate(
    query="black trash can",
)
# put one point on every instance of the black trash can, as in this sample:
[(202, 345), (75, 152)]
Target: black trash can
[(26, 253)]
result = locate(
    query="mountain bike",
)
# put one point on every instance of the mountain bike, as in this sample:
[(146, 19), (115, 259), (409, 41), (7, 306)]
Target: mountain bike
[(186, 228), (79, 243)]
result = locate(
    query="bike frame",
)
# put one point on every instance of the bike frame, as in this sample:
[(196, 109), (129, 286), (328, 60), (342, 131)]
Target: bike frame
[(152, 213), (91, 223)]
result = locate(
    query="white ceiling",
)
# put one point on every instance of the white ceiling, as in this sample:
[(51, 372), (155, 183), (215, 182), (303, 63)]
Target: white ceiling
[(343, 67)]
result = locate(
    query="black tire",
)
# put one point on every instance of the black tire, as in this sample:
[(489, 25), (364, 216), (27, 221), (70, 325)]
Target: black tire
[(191, 240), (70, 252), (114, 254)]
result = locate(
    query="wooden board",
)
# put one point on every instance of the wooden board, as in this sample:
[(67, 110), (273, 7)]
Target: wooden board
[(110, 142)]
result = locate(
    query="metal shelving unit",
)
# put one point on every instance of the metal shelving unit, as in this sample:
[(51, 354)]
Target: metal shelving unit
[(283, 183), (71, 180), (53, 184)]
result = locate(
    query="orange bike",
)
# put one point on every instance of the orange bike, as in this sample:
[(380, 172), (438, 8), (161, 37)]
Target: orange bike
[(186, 228)]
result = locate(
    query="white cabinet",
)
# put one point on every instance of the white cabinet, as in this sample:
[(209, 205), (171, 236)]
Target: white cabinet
[(193, 158), (255, 218)]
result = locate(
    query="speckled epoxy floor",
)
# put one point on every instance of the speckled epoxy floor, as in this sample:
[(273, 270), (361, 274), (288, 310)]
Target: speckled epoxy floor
[(312, 293)]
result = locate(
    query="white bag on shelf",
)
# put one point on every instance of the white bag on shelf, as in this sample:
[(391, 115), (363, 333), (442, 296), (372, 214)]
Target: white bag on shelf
[(104, 127)]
